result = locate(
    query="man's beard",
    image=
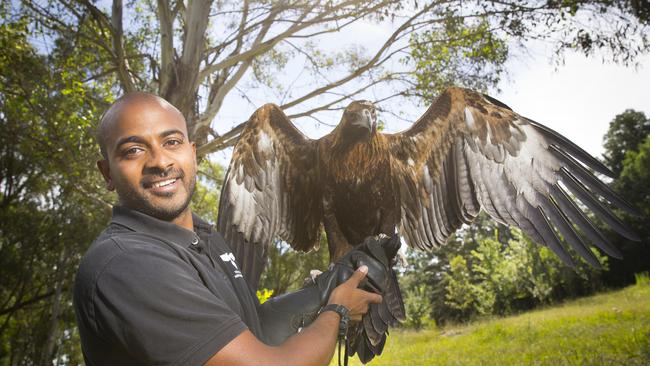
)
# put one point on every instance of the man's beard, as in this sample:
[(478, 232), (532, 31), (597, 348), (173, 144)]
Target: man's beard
[(132, 199)]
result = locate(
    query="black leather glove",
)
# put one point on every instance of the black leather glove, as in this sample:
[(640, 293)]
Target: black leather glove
[(285, 315)]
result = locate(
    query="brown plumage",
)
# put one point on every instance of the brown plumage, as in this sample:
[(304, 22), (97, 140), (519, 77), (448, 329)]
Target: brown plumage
[(466, 153)]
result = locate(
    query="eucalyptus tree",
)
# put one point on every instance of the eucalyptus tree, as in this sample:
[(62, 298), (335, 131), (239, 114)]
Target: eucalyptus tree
[(195, 53)]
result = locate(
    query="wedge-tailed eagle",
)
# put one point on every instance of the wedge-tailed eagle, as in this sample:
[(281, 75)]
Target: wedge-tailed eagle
[(467, 152)]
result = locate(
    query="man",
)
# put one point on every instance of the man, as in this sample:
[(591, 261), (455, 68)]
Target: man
[(159, 286)]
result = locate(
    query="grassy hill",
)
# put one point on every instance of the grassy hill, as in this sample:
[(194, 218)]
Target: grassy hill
[(606, 329)]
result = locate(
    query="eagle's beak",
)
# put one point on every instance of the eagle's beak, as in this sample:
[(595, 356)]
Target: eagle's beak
[(371, 119)]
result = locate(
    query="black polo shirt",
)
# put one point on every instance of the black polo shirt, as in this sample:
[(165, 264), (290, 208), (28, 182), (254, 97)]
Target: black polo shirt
[(151, 292)]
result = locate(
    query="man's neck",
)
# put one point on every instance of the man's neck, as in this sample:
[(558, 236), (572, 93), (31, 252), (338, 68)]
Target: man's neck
[(185, 220)]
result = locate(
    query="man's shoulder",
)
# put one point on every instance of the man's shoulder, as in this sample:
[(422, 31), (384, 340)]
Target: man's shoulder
[(116, 242), (105, 247)]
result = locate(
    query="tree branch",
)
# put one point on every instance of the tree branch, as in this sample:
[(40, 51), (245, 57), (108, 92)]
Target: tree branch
[(217, 100), (230, 138), (342, 98), (182, 91), (33, 300), (269, 44), (118, 48), (242, 24), (371, 63), (165, 20), (226, 140)]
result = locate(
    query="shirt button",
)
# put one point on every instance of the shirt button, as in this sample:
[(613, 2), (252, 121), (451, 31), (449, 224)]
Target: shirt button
[(195, 241)]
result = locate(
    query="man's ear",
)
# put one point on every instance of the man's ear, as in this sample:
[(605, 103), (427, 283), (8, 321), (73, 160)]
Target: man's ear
[(105, 169), (194, 151)]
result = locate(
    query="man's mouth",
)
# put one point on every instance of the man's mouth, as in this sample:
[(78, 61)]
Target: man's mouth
[(160, 183), (164, 183)]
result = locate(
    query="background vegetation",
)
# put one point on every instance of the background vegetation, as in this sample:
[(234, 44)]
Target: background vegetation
[(602, 330), (63, 62)]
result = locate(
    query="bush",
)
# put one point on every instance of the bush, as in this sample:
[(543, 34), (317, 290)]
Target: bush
[(501, 279), (642, 279), (418, 307)]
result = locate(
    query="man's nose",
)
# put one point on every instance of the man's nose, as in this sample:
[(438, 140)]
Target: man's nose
[(159, 159)]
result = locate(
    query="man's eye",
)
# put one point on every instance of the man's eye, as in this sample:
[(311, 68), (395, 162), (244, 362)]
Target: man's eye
[(132, 151), (173, 142)]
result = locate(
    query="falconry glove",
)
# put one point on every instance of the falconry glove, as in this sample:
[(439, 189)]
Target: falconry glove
[(287, 314)]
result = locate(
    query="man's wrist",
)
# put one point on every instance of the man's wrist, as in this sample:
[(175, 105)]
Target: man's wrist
[(344, 317)]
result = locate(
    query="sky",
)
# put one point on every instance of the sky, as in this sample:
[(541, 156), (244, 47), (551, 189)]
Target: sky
[(577, 99)]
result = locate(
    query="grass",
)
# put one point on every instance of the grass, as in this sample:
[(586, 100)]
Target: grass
[(606, 329)]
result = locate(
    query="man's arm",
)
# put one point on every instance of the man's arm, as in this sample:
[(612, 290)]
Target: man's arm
[(313, 346)]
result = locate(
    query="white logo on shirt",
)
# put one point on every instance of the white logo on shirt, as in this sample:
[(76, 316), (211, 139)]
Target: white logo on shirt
[(229, 257)]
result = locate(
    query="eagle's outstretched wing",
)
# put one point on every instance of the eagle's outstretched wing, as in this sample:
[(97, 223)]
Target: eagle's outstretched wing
[(470, 152), (270, 191)]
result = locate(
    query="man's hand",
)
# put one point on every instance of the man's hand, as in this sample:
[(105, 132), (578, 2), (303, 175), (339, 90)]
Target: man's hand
[(354, 299)]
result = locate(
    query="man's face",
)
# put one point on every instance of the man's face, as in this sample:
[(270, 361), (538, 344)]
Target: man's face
[(151, 162)]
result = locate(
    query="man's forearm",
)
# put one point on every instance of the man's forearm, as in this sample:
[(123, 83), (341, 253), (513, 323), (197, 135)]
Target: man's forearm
[(314, 346), (315, 343)]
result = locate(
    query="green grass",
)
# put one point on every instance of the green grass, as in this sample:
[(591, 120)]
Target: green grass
[(606, 329)]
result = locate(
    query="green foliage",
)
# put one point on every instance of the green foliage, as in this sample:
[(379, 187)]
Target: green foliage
[(606, 329), (627, 152), (503, 277), (205, 201), (625, 133), (642, 279), (287, 269), (462, 53), (461, 295), (51, 205), (635, 175), (418, 306)]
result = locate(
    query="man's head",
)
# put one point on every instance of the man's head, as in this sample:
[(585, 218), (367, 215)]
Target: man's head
[(148, 158)]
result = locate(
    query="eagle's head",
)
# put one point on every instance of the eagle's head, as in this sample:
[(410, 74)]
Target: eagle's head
[(359, 121)]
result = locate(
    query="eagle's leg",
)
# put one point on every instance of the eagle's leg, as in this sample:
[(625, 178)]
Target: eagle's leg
[(337, 244)]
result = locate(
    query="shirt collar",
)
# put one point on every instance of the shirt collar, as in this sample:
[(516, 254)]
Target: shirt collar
[(140, 222)]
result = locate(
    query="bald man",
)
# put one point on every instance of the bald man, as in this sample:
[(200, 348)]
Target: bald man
[(160, 285)]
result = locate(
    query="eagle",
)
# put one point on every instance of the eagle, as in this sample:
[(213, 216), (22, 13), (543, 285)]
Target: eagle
[(468, 152)]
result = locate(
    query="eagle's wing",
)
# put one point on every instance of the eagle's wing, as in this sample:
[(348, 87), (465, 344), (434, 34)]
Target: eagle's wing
[(470, 152), (270, 191)]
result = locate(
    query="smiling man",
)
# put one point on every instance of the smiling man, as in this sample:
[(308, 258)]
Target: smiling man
[(159, 285), (152, 165)]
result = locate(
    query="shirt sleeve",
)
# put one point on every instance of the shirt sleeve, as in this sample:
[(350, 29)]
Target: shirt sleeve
[(153, 304)]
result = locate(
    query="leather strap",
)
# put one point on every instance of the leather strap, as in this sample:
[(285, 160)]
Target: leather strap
[(344, 313)]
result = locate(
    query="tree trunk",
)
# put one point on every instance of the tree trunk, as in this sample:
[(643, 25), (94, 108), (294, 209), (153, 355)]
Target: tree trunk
[(53, 331), (182, 88)]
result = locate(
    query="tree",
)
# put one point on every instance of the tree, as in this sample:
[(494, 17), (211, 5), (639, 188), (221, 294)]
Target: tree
[(628, 147), (624, 144), (626, 132), (288, 269), (47, 213), (500, 278), (461, 293), (196, 53)]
